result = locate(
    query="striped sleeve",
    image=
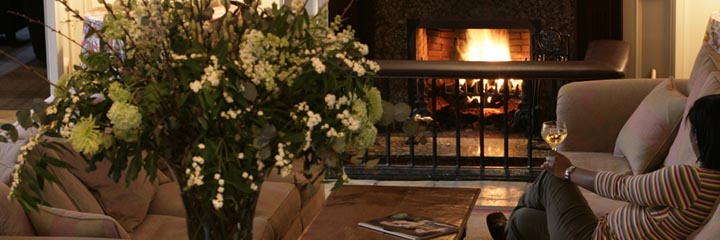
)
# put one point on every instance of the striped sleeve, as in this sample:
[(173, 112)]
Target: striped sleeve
[(673, 186)]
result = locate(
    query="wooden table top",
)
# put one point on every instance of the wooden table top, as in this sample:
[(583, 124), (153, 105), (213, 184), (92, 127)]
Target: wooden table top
[(352, 204)]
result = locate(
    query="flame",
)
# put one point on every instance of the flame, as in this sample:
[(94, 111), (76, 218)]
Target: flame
[(486, 45)]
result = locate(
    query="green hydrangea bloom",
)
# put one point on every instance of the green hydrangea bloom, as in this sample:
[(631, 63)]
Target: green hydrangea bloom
[(375, 108), (359, 109), (117, 93), (132, 135), (124, 116), (365, 137), (86, 137)]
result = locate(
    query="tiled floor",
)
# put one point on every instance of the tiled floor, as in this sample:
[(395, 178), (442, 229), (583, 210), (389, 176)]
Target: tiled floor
[(493, 194)]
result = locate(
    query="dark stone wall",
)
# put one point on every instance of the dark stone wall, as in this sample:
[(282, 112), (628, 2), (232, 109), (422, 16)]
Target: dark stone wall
[(385, 21)]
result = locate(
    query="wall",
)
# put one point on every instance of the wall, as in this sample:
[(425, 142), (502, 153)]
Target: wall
[(62, 53), (691, 20), (664, 35), (648, 28)]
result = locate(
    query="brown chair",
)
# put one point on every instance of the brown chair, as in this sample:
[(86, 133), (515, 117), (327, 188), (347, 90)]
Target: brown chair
[(612, 52)]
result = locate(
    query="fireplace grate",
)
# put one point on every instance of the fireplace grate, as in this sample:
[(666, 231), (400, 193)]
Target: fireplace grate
[(411, 166)]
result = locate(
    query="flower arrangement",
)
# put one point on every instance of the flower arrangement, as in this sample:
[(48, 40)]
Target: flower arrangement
[(222, 101)]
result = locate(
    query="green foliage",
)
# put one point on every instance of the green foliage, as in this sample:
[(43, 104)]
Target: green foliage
[(235, 97)]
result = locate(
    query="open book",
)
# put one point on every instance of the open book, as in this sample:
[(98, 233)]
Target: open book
[(409, 227)]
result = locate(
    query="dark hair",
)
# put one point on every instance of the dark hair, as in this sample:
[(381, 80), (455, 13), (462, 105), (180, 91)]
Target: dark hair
[(704, 119)]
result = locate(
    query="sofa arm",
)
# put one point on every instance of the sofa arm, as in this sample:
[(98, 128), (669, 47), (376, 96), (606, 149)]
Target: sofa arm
[(595, 111)]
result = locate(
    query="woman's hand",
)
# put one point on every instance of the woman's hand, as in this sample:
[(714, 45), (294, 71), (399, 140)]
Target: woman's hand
[(556, 164)]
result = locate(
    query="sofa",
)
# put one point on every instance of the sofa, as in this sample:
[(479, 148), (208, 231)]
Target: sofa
[(91, 206), (635, 126)]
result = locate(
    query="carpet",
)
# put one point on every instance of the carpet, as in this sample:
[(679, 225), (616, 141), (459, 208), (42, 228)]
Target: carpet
[(20, 86)]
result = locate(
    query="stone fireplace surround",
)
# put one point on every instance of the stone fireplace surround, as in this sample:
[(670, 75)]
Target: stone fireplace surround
[(385, 23), (389, 29)]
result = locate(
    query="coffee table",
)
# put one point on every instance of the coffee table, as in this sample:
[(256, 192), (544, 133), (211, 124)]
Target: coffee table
[(355, 203)]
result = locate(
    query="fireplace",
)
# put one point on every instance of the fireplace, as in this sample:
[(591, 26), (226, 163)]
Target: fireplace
[(418, 44), (472, 40)]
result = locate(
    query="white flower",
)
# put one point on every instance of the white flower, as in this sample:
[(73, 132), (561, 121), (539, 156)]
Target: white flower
[(373, 65), (298, 5), (217, 202), (331, 133), (318, 65), (285, 171), (330, 100), (362, 48), (227, 97), (52, 109), (359, 69), (195, 86), (313, 119), (241, 155)]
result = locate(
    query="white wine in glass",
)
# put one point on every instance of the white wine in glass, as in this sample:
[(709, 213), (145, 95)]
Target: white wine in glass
[(553, 132)]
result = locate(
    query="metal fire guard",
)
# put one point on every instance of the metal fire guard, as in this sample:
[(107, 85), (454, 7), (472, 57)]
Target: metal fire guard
[(490, 168)]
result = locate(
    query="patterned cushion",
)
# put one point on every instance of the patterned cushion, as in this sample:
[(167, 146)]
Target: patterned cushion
[(712, 33), (58, 222), (646, 137)]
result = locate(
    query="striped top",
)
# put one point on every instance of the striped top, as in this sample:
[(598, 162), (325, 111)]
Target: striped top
[(669, 203)]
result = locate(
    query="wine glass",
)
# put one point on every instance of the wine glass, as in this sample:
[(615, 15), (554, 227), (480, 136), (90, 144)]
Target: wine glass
[(553, 132)]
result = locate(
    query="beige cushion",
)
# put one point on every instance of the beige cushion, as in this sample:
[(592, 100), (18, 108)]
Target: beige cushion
[(168, 201), (646, 137), (681, 151), (599, 161), (51, 193), (279, 204), (128, 204), (77, 192), (262, 229), (58, 222), (13, 220), (160, 227)]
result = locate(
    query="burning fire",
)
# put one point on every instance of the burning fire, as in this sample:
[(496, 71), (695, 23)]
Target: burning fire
[(486, 45)]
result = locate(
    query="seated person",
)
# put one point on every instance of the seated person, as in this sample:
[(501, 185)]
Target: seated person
[(669, 203)]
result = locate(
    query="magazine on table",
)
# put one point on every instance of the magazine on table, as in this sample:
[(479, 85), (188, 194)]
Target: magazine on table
[(408, 226)]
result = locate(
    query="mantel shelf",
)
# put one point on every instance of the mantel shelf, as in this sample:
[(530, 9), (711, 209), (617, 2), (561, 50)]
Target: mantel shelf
[(576, 70)]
